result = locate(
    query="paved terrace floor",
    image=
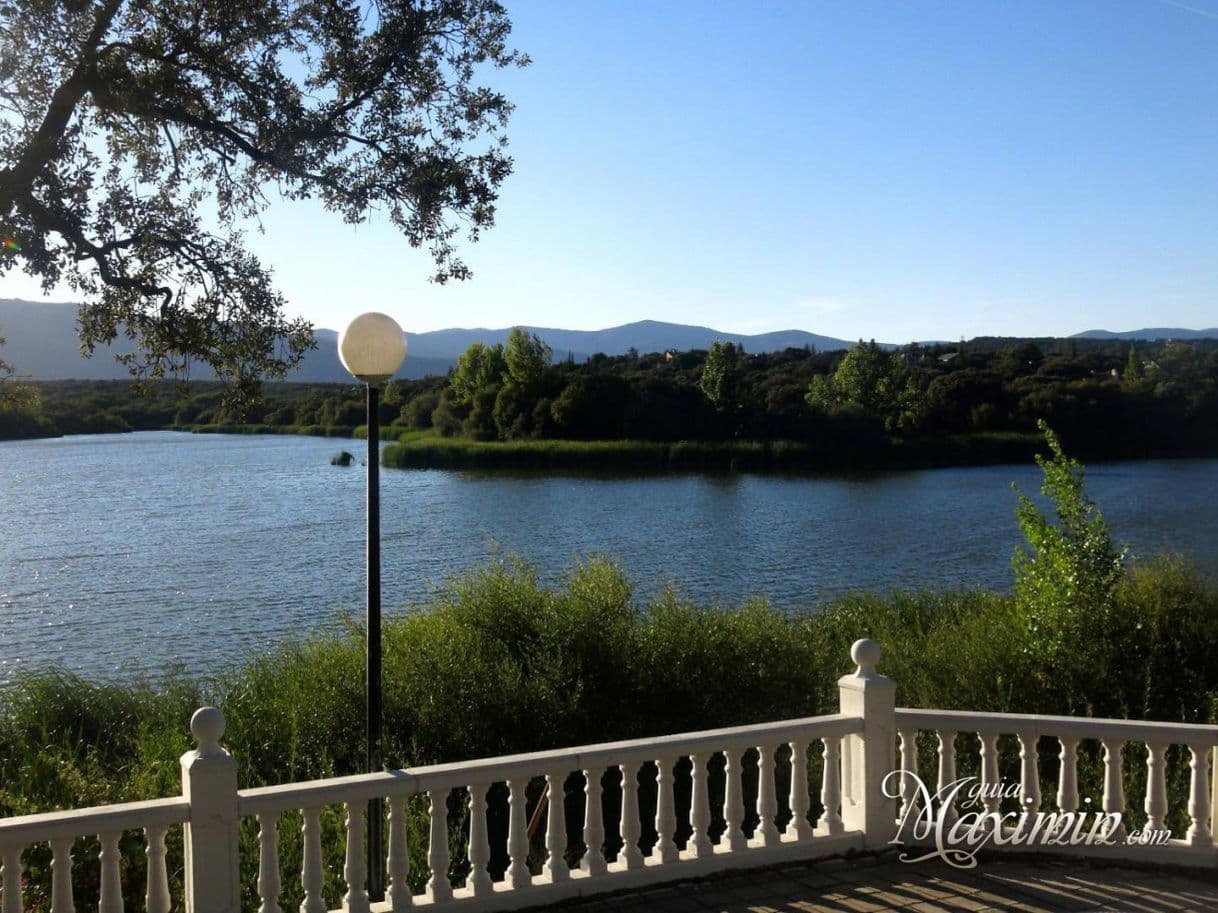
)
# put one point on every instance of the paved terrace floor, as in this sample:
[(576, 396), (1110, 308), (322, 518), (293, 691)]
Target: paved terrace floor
[(882, 884)]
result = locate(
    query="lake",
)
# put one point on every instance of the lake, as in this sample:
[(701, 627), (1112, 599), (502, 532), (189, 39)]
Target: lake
[(130, 555)]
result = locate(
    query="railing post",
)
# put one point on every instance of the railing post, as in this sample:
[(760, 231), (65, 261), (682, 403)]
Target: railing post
[(870, 754), (209, 784)]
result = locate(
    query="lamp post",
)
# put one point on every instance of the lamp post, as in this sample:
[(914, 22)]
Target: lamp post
[(372, 348)]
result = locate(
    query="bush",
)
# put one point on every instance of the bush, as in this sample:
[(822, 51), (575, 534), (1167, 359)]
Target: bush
[(1066, 579)]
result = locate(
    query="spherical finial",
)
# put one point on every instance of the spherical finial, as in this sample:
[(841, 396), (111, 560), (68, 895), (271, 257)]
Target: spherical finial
[(207, 726), (866, 653)]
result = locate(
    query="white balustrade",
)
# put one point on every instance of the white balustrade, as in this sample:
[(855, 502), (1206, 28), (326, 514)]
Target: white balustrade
[(854, 818), (909, 773)]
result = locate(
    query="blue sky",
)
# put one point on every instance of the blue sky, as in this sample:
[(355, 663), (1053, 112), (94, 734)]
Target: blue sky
[(895, 170)]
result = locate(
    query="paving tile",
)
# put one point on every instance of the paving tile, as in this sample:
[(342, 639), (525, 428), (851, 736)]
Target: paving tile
[(880, 884)]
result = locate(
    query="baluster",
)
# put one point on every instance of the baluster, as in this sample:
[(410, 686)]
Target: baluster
[(11, 856), (310, 870), (989, 774), (61, 878), (518, 874), (947, 772), (699, 808), (909, 770), (355, 867), (111, 899), (631, 856), (399, 857), (1114, 783), (733, 801), (268, 864), (800, 828), (478, 880), (767, 803), (1198, 830), (1029, 780), (1067, 780), (437, 847), (556, 829), (1156, 785), (594, 828), (666, 814), (1214, 792), (831, 788), (156, 897)]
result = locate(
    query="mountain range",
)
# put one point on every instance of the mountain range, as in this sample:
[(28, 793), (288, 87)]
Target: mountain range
[(42, 344)]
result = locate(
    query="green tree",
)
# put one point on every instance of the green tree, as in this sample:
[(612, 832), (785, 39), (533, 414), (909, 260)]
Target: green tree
[(723, 375), (478, 367), (139, 138), (1066, 577), (16, 396), (527, 359), (873, 380)]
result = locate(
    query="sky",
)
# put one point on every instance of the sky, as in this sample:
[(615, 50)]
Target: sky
[(891, 170)]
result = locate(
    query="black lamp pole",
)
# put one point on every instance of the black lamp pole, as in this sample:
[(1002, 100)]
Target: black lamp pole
[(376, 810)]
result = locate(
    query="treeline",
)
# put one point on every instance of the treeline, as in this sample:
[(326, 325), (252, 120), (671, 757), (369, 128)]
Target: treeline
[(1108, 398)]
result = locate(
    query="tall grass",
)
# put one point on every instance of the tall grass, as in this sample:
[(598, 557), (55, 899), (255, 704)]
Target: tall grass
[(500, 663)]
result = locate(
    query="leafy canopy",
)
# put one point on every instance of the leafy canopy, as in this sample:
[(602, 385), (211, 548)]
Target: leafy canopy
[(138, 138), (723, 375)]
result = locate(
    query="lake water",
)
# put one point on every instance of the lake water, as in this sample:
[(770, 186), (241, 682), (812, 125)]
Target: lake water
[(134, 554)]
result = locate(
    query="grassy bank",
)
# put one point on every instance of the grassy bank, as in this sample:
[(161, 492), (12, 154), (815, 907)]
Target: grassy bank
[(433, 452), (500, 663)]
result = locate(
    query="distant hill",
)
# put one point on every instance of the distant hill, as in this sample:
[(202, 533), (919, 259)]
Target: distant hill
[(1150, 334), (42, 344)]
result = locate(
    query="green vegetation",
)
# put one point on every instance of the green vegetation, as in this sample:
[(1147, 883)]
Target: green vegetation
[(499, 662), (867, 405), (798, 409)]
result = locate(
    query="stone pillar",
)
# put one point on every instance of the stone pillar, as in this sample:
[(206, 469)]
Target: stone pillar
[(209, 784), (871, 754)]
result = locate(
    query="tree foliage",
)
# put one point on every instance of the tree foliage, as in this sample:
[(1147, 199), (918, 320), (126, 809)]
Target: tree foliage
[(870, 379), (526, 357), (723, 375), (1067, 576), (477, 367), (138, 140)]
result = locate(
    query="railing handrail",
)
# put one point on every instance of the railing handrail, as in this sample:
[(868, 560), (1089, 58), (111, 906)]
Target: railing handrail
[(1152, 731), (100, 819), (413, 780)]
